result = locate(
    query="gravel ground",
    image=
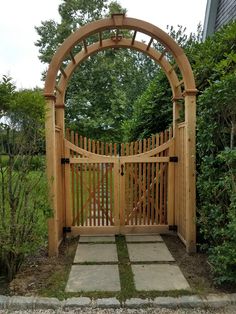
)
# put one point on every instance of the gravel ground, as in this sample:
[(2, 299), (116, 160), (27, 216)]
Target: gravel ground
[(228, 310)]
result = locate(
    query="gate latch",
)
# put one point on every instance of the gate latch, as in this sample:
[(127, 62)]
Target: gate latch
[(173, 228), (66, 229), (173, 158), (122, 170), (65, 161)]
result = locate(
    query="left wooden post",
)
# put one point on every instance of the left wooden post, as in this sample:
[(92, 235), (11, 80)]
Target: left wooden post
[(51, 174)]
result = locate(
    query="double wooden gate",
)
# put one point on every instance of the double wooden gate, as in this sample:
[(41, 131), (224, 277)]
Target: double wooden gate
[(111, 188)]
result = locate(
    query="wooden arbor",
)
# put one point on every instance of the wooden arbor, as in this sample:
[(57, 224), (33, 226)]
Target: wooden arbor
[(180, 76)]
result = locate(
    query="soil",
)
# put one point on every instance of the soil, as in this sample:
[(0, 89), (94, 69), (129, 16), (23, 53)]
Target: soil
[(195, 266), (39, 272)]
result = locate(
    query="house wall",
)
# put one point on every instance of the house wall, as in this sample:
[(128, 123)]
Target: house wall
[(226, 12), (218, 13)]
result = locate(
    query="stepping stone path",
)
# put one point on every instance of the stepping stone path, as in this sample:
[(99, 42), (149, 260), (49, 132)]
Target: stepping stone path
[(149, 252), (96, 253), (96, 268), (96, 277), (161, 277), (95, 239), (93, 278)]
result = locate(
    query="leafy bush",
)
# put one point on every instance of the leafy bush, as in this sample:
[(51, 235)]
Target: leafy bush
[(217, 209), (23, 218), (152, 112), (23, 195), (216, 180), (36, 163)]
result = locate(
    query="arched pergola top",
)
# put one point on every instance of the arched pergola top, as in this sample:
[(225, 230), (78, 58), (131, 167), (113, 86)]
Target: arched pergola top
[(116, 22), (122, 43)]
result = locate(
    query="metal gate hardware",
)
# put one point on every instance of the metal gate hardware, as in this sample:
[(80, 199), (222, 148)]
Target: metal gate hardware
[(173, 159), (65, 161), (173, 228), (66, 229), (122, 170)]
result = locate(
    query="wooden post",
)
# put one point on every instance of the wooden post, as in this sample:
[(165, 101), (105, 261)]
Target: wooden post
[(190, 179), (171, 189), (176, 109), (59, 116), (68, 209), (51, 174)]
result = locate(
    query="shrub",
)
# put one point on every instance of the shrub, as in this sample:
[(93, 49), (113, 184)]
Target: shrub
[(23, 195), (216, 180), (24, 209)]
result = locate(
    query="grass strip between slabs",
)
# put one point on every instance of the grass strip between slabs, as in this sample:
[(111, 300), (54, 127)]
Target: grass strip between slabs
[(55, 284), (126, 274)]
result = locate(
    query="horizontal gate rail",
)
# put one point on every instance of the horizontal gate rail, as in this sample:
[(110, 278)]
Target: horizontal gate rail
[(89, 230), (132, 159), (82, 160)]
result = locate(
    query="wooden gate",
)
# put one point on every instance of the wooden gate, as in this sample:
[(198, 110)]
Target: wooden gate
[(153, 193), (111, 188)]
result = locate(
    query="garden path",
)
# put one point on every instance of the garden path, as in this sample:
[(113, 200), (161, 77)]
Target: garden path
[(98, 263)]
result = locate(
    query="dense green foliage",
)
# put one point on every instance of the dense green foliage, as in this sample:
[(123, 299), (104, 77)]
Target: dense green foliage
[(98, 106), (152, 111), (214, 58), (217, 175), (214, 63), (23, 192)]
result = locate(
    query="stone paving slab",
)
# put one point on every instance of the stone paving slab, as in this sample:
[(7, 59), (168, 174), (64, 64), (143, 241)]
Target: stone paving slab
[(93, 278), (96, 253), (149, 252), (93, 239), (161, 277), (143, 238)]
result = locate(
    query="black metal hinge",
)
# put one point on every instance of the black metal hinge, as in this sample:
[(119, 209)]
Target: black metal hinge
[(66, 229), (65, 161), (173, 228), (173, 159)]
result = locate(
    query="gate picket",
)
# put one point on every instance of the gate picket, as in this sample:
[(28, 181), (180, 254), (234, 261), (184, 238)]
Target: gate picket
[(153, 186), (148, 186), (140, 185), (144, 185), (135, 184)]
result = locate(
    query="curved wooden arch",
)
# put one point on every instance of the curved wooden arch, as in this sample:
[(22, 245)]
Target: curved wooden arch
[(119, 21), (182, 174), (123, 43)]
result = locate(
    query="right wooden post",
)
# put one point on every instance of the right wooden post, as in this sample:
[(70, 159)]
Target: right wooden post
[(190, 173)]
